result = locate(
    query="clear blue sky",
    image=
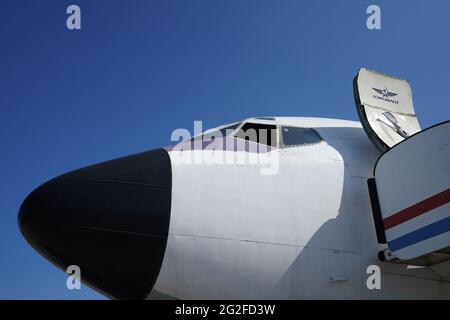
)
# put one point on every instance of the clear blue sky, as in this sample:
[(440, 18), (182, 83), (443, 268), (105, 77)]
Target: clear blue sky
[(139, 69)]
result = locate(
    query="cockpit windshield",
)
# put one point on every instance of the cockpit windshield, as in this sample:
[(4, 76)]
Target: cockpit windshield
[(226, 130)]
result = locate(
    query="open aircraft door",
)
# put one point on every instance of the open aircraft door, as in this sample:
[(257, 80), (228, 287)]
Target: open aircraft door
[(412, 184), (385, 108), (410, 191)]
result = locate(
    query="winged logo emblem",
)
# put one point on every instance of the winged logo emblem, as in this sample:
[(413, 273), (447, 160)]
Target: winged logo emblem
[(385, 92)]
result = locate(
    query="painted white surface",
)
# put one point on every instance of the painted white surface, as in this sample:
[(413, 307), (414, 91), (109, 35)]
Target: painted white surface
[(413, 171), (236, 234)]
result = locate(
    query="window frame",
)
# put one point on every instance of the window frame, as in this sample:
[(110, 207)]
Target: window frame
[(277, 135), (285, 146), (219, 128)]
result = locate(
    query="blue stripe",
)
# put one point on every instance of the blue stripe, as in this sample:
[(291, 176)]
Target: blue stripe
[(421, 234)]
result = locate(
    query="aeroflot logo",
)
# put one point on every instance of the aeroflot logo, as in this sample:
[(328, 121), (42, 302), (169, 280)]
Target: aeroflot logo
[(385, 95)]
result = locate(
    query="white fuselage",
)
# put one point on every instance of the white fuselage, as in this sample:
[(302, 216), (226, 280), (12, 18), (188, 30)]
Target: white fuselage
[(237, 234)]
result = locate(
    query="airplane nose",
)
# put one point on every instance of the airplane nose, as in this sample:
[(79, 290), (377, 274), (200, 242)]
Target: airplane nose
[(110, 219)]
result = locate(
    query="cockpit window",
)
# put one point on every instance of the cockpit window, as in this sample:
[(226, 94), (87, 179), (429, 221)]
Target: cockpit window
[(229, 130), (223, 132), (259, 133), (294, 136)]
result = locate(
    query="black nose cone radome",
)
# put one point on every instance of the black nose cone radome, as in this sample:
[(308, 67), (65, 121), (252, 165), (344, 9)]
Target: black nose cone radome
[(110, 219)]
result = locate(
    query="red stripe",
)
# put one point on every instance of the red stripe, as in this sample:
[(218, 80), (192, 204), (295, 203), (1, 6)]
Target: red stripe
[(417, 209)]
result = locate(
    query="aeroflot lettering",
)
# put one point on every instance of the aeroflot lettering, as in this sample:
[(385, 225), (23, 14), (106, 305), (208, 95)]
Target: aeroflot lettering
[(386, 99)]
